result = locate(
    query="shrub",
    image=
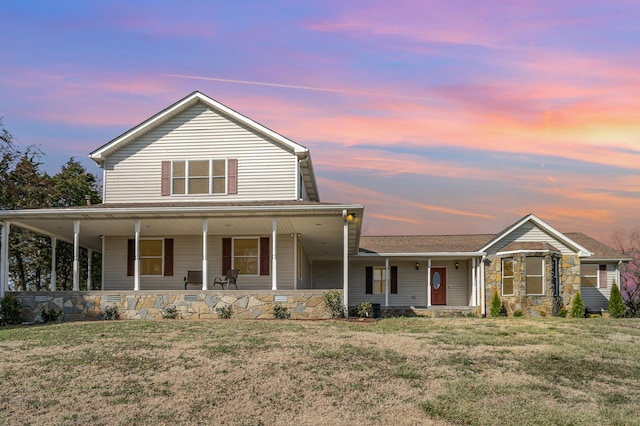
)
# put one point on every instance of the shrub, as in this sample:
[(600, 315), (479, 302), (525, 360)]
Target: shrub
[(542, 313), (281, 312), (496, 305), (616, 304), (50, 315), (517, 313), (111, 312), (10, 310), (577, 306), (364, 310), (563, 312), (170, 312), (225, 311), (333, 300)]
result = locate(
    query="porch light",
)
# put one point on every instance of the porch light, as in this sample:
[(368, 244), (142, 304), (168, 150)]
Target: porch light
[(457, 264), (417, 265)]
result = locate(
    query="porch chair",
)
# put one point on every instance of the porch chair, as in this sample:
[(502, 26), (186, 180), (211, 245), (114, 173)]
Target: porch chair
[(193, 278), (230, 277)]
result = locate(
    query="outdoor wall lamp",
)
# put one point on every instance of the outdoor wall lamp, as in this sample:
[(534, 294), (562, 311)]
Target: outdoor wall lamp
[(457, 264), (417, 265)]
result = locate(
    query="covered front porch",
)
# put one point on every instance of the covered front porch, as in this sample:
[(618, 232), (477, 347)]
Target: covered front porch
[(273, 243)]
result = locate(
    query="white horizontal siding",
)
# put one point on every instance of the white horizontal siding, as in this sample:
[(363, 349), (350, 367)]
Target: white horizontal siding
[(265, 171), (326, 274), (595, 298), (529, 232), (412, 284), (187, 257)]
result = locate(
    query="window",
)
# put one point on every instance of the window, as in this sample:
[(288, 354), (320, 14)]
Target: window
[(535, 275), (588, 275), (246, 255), (379, 279), (151, 257), (199, 177), (507, 276)]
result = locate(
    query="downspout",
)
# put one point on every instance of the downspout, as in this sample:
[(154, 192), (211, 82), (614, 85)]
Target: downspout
[(345, 264)]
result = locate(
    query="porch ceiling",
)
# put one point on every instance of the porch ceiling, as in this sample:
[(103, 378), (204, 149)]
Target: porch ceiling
[(320, 231)]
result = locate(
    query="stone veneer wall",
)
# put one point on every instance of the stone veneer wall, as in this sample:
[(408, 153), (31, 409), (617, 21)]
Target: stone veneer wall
[(91, 305), (539, 305)]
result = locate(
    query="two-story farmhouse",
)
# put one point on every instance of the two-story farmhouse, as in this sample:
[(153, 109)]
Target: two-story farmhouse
[(200, 187)]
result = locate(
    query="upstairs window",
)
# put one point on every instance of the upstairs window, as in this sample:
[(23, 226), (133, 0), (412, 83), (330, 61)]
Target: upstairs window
[(198, 177), (535, 275)]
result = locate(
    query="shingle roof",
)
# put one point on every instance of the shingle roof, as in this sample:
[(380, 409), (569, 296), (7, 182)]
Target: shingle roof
[(471, 243), (423, 243), (600, 250)]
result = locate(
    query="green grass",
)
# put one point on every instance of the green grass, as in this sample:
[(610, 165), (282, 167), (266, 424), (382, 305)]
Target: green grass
[(398, 370)]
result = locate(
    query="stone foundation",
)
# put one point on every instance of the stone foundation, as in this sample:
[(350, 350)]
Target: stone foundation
[(91, 305)]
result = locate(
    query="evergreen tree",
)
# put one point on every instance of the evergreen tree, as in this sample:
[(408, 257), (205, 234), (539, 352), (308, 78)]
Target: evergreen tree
[(496, 305), (616, 304), (577, 306)]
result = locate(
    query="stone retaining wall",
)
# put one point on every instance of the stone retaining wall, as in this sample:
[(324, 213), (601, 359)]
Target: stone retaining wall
[(91, 305)]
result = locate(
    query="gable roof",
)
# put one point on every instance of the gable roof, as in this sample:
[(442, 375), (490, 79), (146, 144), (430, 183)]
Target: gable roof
[(100, 154), (478, 244), (582, 251)]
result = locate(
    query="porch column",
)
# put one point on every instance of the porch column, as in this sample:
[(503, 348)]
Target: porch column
[(386, 282), (474, 300), (4, 258), (483, 310), (54, 243), (274, 280), (89, 256), (428, 282), (345, 264), (102, 263), (205, 266), (295, 261), (76, 255), (136, 256)]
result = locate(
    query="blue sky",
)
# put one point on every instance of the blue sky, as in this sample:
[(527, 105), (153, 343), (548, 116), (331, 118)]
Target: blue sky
[(439, 116)]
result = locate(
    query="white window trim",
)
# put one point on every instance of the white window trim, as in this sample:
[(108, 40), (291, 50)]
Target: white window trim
[(211, 176), (153, 257), (597, 275), (502, 275), (527, 275), (233, 255)]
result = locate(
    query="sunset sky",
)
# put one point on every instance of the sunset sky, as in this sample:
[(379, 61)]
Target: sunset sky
[(439, 116)]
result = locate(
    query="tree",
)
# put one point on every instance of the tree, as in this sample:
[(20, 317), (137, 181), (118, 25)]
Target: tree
[(577, 306), (23, 185), (628, 242), (73, 184), (496, 305), (616, 304)]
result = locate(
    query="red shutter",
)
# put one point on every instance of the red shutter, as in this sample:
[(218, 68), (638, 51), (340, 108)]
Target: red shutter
[(166, 178), (602, 278), (168, 257), (264, 256), (226, 255), (368, 280), (131, 253), (232, 176), (394, 280)]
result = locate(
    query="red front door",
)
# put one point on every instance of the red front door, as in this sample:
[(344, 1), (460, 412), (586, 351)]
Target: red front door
[(438, 286)]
